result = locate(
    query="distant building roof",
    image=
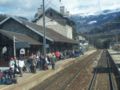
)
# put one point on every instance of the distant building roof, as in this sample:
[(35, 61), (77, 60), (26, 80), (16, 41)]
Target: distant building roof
[(4, 16)]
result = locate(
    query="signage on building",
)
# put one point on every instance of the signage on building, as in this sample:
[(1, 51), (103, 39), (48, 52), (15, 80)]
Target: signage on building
[(4, 50), (22, 51)]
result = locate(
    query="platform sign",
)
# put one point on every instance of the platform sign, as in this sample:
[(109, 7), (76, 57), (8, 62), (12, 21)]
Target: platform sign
[(22, 51), (4, 50)]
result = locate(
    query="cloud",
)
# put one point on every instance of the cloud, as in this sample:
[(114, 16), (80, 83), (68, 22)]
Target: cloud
[(105, 4), (28, 8), (71, 5), (88, 7), (25, 8), (4, 2)]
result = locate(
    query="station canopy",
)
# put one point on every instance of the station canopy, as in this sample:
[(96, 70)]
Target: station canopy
[(21, 40)]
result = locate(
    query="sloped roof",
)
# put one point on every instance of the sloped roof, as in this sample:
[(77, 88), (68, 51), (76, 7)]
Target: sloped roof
[(50, 34), (20, 37)]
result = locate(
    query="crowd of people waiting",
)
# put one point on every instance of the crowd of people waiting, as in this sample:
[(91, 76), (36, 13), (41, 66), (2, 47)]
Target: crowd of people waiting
[(17, 66)]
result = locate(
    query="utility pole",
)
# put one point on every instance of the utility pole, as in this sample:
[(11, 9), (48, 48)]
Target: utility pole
[(44, 29), (99, 6), (14, 47)]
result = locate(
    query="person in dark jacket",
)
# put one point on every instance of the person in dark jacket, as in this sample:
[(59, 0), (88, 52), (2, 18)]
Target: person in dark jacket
[(33, 65)]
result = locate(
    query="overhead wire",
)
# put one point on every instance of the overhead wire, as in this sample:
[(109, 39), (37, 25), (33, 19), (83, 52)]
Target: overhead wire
[(50, 3)]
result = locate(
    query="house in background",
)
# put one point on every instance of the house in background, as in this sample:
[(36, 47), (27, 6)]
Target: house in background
[(55, 21), (115, 46), (83, 43)]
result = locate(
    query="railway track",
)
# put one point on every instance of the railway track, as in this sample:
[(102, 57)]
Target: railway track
[(74, 77), (103, 78), (78, 75)]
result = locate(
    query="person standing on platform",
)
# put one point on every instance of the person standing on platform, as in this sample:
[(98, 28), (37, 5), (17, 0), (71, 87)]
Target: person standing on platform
[(33, 65), (21, 64), (57, 54), (12, 63), (53, 60)]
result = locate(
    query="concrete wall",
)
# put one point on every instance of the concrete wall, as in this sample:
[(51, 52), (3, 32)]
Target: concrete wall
[(69, 32), (65, 29)]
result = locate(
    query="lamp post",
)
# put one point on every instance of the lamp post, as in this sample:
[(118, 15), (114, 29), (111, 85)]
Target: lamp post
[(14, 47), (44, 29)]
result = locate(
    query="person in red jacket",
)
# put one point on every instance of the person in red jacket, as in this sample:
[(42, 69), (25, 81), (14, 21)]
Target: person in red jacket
[(57, 54)]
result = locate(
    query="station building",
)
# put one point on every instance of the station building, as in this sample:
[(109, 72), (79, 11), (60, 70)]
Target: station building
[(29, 35)]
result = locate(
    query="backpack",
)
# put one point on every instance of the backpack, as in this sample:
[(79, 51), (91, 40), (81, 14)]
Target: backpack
[(1, 75), (8, 81), (14, 80)]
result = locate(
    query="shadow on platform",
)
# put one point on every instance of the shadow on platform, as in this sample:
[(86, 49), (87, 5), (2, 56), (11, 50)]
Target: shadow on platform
[(102, 70)]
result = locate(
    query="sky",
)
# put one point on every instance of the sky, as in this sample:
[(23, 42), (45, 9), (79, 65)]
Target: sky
[(28, 8)]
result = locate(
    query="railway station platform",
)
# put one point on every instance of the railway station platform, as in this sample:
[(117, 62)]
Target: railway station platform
[(30, 80), (115, 56)]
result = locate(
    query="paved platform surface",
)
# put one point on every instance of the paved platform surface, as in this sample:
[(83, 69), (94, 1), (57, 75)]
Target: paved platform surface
[(115, 55), (30, 80)]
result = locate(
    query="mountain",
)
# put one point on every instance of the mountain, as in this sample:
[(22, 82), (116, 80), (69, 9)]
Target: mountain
[(100, 29), (97, 23)]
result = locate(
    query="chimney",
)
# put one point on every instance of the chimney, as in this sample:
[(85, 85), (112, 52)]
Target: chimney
[(67, 13), (40, 10), (62, 10)]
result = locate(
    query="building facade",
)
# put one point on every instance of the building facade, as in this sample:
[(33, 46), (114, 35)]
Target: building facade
[(57, 22)]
